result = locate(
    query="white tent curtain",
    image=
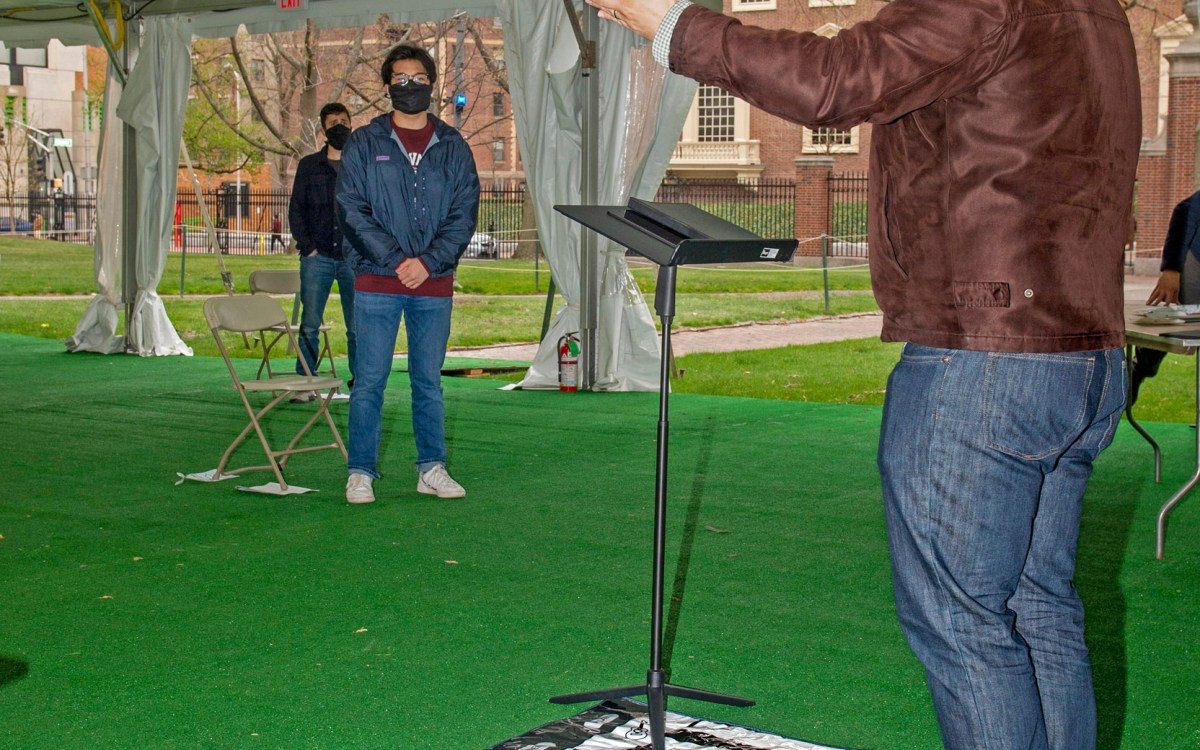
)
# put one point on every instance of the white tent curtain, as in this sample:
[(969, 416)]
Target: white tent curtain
[(642, 110), (153, 104), (96, 330)]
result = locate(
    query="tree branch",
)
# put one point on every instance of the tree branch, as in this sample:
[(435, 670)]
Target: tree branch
[(290, 148), (234, 126), (495, 67)]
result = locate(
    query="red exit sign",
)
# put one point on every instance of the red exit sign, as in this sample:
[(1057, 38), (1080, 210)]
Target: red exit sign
[(293, 4)]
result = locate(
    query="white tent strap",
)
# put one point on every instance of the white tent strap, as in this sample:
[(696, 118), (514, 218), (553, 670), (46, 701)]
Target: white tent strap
[(214, 246)]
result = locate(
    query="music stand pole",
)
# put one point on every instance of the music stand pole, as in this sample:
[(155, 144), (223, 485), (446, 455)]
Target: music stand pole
[(657, 688)]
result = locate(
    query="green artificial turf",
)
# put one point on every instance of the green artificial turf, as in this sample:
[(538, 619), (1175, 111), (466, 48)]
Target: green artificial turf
[(144, 614)]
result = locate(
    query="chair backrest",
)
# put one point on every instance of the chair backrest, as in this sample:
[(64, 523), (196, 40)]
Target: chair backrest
[(275, 281), (243, 313)]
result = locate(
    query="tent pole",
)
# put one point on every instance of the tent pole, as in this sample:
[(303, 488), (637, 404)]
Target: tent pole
[(589, 262), (129, 205), (102, 29)]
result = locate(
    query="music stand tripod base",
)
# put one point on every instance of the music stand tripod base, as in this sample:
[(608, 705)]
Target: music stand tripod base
[(670, 235)]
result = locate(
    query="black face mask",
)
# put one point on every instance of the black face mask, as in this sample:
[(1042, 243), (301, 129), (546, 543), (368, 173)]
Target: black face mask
[(337, 136), (412, 98)]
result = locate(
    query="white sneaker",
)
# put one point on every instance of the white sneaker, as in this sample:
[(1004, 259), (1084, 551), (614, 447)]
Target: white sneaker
[(358, 489), (438, 482), (303, 397)]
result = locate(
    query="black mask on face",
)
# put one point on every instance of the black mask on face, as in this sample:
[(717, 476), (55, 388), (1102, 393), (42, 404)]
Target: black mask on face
[(412, 98), (337, 136)]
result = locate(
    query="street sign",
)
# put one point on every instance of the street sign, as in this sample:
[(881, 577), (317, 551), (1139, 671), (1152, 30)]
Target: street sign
[(61, 142)]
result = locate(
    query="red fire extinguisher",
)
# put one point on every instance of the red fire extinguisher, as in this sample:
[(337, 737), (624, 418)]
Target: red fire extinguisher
[(568, 363)]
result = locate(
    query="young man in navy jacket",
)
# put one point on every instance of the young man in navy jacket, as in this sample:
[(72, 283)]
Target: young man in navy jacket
[(409, 194)]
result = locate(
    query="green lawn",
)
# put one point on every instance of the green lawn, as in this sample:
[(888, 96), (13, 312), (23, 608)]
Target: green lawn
[(503, 301), (500, 301), (42, 267)]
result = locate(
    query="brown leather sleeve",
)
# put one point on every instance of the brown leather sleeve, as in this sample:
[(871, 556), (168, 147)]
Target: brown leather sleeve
[(910, 55)]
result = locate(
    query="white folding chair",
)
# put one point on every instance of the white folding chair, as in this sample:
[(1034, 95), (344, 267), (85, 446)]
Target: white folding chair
[(250, 314), (286, 282)]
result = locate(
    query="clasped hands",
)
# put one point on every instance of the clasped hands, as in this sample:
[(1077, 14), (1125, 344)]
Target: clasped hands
[(412, 273)]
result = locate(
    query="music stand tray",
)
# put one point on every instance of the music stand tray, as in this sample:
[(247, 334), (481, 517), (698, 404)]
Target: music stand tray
[(671, 235)]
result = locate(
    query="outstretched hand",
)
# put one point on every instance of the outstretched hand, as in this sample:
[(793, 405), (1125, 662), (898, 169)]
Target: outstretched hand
[(642, 17)]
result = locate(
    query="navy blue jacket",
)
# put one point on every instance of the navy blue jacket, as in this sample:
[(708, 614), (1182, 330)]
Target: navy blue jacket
[(1183, 234), (391, 211), (312, 212)]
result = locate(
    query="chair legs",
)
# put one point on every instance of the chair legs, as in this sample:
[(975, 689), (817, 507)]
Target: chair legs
[(324, 352), (277, 459), (327, 352)]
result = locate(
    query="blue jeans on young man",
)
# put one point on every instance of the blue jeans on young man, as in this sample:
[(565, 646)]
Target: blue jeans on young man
[(984, 459), (317, 274), (427, 322)]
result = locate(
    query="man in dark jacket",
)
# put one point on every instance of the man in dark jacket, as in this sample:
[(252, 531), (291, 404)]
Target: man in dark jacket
[(1005, 141), (1178, 282), (312, 214), (409, 194)]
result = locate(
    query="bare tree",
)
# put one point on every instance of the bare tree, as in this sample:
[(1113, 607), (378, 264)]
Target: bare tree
[(14, 161), (286, 77)]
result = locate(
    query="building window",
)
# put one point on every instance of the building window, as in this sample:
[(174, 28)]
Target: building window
[(498, 105), (828, 3), (498, 151), (830, 141), (716, 121), (741, 5)]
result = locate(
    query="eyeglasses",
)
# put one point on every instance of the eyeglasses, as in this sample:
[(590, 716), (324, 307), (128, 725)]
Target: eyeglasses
[(402, 79)]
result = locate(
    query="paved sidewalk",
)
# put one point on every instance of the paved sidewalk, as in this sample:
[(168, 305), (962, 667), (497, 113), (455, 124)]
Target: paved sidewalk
[(727, 338), (748, 336)]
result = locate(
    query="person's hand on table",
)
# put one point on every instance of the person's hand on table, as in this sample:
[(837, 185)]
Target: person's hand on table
[(1166, 291), (642, 17)]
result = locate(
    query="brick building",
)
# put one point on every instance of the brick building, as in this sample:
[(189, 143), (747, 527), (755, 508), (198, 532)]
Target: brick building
[(1167, 171)]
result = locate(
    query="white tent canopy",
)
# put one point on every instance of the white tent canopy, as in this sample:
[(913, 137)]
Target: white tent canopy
[(586, 136)]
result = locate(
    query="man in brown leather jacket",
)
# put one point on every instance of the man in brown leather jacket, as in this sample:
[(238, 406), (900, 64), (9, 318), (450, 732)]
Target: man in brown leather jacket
[(1005, 142)]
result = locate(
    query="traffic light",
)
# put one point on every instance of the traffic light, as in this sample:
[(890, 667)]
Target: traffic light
[(460, 102), (37, 168)]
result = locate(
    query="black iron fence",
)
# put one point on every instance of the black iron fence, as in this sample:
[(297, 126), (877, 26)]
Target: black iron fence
[(69, 218), (765, 207), (501, 207), (243, 220), (848, 215)]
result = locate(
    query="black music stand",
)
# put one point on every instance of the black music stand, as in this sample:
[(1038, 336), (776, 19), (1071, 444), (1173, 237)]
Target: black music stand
[(671, 235)]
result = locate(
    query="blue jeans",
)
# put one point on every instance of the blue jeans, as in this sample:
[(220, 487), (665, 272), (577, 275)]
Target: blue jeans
[(317, 274), (427, 320), (984, 459)]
